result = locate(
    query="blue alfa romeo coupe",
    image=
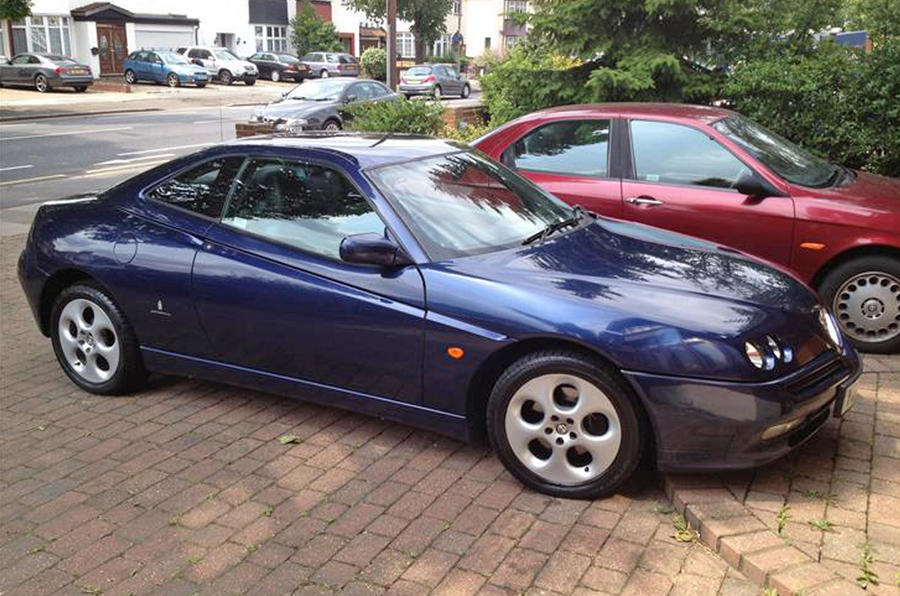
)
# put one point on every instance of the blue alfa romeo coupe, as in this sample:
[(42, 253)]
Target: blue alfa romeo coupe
[(418, 280)]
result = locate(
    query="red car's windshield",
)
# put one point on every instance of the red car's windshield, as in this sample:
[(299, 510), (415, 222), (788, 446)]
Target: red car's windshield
[(791, 162)]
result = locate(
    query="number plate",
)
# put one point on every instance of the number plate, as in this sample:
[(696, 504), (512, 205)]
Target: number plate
[(844, 402)]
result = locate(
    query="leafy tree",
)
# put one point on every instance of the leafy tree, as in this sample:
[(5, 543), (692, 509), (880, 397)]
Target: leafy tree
[(310, 32), (427, 18), (14, 9)]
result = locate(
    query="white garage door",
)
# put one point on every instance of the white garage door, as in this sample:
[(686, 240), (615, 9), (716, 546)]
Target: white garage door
[(171, 37)]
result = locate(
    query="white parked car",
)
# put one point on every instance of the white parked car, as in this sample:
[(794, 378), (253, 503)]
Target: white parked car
[(221, 64)]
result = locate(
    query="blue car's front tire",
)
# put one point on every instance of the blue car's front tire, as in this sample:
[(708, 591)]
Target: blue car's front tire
[(565, 424)]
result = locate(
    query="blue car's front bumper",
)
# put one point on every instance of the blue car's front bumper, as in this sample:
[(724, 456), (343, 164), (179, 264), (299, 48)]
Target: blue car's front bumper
[(197, 77), (714, 425)]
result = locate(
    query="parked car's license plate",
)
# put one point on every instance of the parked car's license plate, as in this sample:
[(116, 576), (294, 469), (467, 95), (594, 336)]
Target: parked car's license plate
[(78, 71), (845, 400)]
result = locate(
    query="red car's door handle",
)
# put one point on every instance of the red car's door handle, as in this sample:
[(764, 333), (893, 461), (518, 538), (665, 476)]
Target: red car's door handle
[(649, 201)]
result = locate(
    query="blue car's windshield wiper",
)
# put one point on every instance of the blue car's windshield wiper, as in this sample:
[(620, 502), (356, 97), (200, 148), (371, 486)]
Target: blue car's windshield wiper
[(577, 213)]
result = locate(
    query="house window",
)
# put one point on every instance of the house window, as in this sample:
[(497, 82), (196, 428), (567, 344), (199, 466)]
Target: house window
[(406, 44), (516, 6), (41, 33), (271, 38), (512, 40), (442, 45), (487, 43)]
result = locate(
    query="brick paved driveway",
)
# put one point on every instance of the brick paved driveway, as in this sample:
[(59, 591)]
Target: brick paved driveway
[(185, 488)]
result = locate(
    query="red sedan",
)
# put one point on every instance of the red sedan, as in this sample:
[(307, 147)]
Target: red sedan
[(714, 174)]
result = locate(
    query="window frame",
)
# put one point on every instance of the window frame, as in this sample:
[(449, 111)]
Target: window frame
[(144, 194), (611, 149), (316, 162), (631, 173), (266, 35), (64, 27)]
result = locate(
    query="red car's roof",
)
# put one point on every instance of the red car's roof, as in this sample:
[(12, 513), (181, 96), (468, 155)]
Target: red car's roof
[(668, 110)]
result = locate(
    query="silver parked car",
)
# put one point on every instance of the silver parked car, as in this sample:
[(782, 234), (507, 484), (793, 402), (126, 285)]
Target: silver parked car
[(221, 64), (45, 72), (331, 64), (434, 79)]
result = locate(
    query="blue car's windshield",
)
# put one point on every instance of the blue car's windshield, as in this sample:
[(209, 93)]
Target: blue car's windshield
[(463, 204), (173, 58)]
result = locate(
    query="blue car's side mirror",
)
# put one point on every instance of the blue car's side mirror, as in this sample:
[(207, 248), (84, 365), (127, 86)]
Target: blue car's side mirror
[(373, 249)]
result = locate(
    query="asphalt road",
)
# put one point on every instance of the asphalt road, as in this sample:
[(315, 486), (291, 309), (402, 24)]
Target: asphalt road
[(42, 160)]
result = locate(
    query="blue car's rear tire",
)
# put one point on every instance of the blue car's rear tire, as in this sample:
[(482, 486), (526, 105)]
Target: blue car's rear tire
[(566, 424), (94, 343)]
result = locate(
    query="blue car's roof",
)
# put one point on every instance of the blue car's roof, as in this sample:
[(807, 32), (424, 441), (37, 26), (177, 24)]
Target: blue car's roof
[(367, 149)]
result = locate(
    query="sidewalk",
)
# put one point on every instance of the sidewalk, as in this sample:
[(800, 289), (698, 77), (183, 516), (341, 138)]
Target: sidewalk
[(186, 488), (23, 104)]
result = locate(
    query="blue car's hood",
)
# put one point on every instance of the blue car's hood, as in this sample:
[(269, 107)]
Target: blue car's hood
[(627, 284)]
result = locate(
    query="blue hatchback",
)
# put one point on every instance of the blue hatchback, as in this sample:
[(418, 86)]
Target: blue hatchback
[(418, 280), (170, 68)]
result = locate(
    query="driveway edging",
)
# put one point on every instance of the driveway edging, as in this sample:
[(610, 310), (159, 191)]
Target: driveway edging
[(730, 529)]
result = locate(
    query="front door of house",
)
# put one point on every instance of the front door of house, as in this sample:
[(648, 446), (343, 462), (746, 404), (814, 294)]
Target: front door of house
[(112, 46)]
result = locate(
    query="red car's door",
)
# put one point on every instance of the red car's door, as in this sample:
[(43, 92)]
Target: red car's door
[(571, 160), (682, 179)]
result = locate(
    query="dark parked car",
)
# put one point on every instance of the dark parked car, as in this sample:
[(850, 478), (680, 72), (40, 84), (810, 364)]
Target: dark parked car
[(331, 64), (418, 280), (170, 68), (317, 104), (715, 174), (277, 67), (45, 72), (434, 79)]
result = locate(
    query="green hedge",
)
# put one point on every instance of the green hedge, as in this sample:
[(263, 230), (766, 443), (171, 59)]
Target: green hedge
[(840, 102), (400, 115)]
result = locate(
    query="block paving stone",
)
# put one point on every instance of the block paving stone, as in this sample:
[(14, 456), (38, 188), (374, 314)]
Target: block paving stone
[(183, 488)]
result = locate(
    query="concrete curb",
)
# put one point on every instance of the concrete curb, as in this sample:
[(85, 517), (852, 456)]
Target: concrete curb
[(732, 530)]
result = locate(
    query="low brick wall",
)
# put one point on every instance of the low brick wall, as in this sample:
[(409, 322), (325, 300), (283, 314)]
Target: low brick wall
[(250, 129), (456, 116)]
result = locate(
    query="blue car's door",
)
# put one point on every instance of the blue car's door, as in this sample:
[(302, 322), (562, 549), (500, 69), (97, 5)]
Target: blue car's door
[(163, 233), (274, 296), (155, 68)]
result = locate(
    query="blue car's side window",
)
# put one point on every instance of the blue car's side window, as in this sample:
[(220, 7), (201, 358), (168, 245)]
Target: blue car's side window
[(304, 205), (202, 189)]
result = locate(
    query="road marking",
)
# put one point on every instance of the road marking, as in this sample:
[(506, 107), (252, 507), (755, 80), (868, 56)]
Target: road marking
[(113, 162), (72, 132), (37, 179), (6, 169), (131, 166), (146, 151)]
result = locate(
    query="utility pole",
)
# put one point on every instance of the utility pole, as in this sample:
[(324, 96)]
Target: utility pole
[(392, 44)]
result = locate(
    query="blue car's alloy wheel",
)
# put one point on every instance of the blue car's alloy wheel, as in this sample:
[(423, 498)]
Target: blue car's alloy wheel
[(565, 424), (93, 342)]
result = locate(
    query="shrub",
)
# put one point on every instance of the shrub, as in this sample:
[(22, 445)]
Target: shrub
[(837, 101), (373, 63), (400, 115), (468, 132), (451, 58)]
